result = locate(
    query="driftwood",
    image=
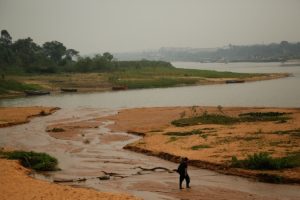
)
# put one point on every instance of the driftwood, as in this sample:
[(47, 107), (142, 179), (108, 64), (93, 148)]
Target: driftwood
[(155, 169), (113, 175), (69, 180)]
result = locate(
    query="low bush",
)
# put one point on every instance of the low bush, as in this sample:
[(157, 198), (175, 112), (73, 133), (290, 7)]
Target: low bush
[(263, 116), (264, 161), (205, 119), (34, 160)]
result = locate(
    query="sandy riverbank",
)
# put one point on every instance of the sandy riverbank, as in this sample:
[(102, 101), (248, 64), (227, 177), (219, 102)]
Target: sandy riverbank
[(93, 82), (220, 143), (18, 115), (16, 184)]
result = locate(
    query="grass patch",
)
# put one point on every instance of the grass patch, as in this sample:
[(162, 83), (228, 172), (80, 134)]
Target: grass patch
[(11, 85), (202, 146), (156, 82), (160, 76), (264, 161), (206, 118), (186, 133), (292, 132), (33, 160), (263, 116), (172, 139)]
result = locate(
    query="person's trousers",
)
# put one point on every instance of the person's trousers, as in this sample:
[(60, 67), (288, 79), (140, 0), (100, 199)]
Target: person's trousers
[(187, 180)]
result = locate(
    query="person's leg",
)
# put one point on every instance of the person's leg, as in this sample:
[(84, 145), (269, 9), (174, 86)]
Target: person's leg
[(181, 178), (187, 179)]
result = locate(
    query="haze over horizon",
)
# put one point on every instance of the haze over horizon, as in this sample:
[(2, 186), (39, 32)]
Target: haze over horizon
[(122, 26)]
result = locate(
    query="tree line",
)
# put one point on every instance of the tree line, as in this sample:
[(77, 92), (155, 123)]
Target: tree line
[(25, 56), (275, 52)]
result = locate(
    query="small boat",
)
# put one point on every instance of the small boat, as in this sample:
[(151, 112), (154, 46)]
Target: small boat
[(68, 89), (119, 88), (234, 81), (36, 92)]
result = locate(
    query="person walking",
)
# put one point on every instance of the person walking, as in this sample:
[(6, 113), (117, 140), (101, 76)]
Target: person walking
[(183, 174)]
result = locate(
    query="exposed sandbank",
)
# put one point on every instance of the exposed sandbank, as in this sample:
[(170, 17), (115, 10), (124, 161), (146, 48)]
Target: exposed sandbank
[(224, 141)]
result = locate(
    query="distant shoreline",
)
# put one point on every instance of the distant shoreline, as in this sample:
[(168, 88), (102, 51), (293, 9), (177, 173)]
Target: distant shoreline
[(89, 84)]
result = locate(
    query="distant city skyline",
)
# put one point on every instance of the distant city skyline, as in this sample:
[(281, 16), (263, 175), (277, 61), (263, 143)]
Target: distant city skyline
[(96, 26)]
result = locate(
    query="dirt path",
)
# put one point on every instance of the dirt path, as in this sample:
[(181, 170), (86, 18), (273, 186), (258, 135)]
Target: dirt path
[(93, 151)]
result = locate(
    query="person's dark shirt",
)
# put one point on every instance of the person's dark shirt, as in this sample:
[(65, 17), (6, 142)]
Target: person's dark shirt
[(182, 168)]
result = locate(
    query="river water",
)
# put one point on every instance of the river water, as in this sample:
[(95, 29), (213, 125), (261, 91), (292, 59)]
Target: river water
[(77, 159), (280, 92)]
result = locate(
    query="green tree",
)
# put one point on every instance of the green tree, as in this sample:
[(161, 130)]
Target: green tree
[(108, 56), (55, 51), (25, 51), (6, 53)]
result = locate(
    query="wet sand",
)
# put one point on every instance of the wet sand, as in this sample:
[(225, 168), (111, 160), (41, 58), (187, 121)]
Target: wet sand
[(104, 154), (16, 184)]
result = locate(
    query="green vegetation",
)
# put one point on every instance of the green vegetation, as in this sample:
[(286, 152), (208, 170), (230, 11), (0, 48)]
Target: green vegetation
[(11, 85), (33, 160), (264, 161), (263, 116), (202, 146), (25, 57), (186, 133), (293, 132), (172, 139), (206, 118)]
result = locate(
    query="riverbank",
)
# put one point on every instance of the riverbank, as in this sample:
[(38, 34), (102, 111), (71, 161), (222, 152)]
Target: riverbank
[(10, 116), (97, 82), (16, 184), (212, 146)]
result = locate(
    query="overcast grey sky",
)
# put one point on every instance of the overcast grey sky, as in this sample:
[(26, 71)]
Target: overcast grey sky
[(92, 26)]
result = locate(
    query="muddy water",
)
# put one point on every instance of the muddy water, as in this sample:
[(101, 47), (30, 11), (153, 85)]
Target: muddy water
[(104, 154)]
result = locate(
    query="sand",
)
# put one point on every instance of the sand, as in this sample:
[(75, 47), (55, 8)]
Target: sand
[(18, 115), (16, 184), (220, 142)]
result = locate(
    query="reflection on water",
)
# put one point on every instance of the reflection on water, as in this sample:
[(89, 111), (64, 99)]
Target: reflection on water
[(281, 92)]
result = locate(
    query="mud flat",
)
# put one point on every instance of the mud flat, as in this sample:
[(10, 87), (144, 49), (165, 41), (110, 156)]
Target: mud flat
[(212, 146)]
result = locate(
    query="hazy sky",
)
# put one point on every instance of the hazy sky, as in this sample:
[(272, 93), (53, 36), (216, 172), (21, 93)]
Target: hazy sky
[(92, 26)]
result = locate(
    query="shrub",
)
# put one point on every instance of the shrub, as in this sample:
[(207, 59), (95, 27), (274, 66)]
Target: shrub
[(34, 160), (263, 116), (202, 146), (187, 133), (264, 161), (205, 119)]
